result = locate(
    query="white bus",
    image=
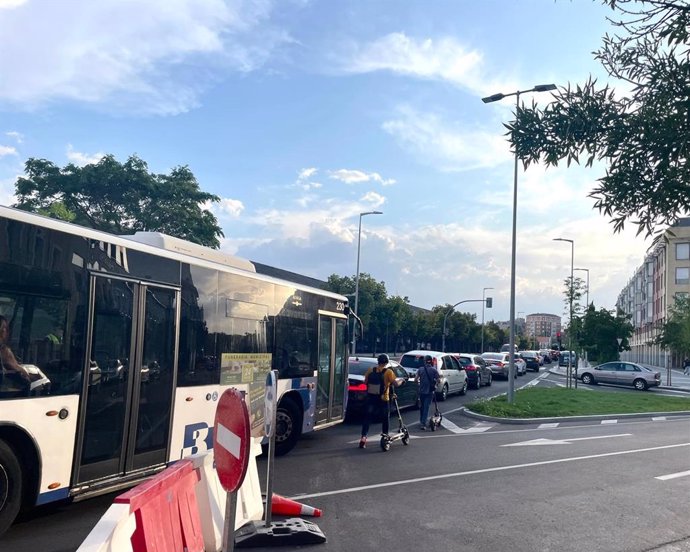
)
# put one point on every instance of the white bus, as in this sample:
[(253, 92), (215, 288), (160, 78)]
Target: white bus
[(114, 352)]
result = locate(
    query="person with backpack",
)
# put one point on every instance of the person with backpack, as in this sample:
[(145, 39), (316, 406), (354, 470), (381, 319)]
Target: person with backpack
[(427, 377), (378, 381)]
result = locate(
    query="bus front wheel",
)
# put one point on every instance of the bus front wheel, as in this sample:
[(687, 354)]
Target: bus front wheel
[(288, 426), (10, 486)]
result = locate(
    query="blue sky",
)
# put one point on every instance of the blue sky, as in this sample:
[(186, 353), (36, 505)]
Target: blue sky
[(301, 114)]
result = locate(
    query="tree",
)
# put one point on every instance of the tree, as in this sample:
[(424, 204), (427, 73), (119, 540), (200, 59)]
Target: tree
[(642, 136), (675, 333), (600, 333), (121, 198)]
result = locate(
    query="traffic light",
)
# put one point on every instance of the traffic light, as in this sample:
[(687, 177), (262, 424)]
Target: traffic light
[(489, 302), (558, 338)]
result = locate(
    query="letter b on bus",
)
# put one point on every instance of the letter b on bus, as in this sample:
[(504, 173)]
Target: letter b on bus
[(197, 438)]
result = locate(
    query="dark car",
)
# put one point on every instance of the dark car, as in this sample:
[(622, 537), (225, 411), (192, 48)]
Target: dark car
[(357, 392), (532, 359), (478, 371)]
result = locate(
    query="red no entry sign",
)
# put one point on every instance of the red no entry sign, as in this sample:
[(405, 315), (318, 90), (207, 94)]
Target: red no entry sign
[(231, 440)]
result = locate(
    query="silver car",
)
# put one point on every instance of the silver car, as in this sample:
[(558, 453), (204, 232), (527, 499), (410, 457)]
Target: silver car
[(453, 375), (621, 373)]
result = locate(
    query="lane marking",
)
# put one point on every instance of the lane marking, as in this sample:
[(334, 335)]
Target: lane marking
[(548, 426), (605, 422), (673, 476), (658, 418), (563, 441), (486, 470), (450, 426)]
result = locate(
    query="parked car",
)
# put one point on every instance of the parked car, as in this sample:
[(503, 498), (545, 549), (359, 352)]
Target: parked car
[(532, 359), (621, 373), (478, 372), (453, 376), (357, 392), (498, 364)]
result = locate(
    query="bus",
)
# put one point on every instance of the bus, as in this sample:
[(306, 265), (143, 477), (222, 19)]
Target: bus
[(114, 351)]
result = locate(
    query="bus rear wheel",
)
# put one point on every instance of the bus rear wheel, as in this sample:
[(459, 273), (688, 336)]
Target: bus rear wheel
[(288, 426), (10, 486)]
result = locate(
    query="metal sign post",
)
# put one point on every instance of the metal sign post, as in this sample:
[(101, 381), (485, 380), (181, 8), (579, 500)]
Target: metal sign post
[(231, 447), (270, 424)]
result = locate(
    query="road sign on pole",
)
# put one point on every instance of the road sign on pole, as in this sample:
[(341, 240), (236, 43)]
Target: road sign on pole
[(231, 447)]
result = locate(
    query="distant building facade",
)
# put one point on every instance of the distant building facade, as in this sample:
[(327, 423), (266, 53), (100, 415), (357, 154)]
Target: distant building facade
[(542, 328), (652, 290)]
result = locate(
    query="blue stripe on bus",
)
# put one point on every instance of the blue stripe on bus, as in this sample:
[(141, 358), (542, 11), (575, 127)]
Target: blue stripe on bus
[(52, 496)]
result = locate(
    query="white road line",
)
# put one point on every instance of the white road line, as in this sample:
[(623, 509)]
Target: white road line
[(486, 470), (478, 428), (673, 475), (548, 426), (605, 422), (658, 418)]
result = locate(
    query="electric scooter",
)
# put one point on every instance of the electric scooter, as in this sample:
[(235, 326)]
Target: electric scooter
[(402, 434)]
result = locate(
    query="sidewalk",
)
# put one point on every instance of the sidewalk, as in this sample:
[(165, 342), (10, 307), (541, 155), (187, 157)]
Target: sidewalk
[(679, 382)]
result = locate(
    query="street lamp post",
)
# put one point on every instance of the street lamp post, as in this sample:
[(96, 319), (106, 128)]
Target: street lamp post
[(570, 326), (483, 305), (359, 242), (445, 319), (511, 364)]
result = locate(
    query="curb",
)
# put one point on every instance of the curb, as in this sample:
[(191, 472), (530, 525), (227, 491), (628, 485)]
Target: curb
[(593, 417)]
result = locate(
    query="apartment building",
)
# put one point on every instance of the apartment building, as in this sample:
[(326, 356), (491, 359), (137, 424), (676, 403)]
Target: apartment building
[(542, 328), (653, 288)]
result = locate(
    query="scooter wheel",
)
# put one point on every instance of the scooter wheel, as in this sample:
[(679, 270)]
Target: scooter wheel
[(432, 426), (385, 444), (406, 439)]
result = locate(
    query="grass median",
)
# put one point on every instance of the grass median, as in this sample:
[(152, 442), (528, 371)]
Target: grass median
[(545, 403)]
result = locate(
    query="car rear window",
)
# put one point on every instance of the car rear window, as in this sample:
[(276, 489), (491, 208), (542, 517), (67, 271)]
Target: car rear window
[(358, 368), (493, 356), (412, 361), (464, 361)]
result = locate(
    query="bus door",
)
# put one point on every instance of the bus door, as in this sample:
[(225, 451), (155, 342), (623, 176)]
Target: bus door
[(127, 402), (330, 384)]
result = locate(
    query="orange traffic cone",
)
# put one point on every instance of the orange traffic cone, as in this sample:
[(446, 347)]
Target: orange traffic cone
[(285, 507)]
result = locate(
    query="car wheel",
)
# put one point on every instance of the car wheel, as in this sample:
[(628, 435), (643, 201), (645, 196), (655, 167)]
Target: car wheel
[(479, 382), (463, 391), (640, 384), (443, 395), (489, 381), (10, 486), (288, 426), (587, 379)]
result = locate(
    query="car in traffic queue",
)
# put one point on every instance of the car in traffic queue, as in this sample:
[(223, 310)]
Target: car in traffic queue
[(546, 356), (621, 373), (532, 360), (357, 366), (520, 365), (453, 376), (566, 357), (499, 364), (478, 372)]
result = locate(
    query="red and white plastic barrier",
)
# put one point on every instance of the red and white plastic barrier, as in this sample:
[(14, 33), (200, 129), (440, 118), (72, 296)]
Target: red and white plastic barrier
[(182, 508)]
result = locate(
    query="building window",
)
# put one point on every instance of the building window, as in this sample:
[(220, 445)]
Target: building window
[(682, 275)]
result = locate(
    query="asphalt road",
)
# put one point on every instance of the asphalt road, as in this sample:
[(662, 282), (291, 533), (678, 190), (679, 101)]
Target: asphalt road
[(483, 486)]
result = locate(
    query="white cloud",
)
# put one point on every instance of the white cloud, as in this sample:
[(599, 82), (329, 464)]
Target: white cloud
[(232, 207), (81, 159), (354, 176), (11, 4), (150, 57), (373, 199), (16, 136), (439, 144), (442, 59), (7, 150), (307, 173)]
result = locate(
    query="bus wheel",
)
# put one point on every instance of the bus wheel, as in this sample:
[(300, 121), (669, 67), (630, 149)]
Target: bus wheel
[(288, 426), (10, 486)]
